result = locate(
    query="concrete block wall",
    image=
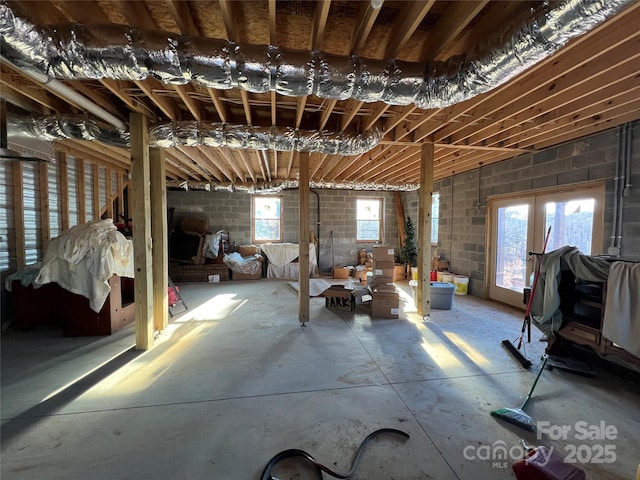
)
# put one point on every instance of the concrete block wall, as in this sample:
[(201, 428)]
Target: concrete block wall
[(463, 198), (335, 228)]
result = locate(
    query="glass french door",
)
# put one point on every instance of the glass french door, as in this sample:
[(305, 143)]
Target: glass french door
[(518, 226)]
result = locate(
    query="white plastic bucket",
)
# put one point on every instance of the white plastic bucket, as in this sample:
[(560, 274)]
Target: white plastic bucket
[(447, 278), (439, 276), (462, 284)]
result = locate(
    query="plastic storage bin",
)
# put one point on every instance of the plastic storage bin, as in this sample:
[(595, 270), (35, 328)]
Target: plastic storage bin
[(442, 295)]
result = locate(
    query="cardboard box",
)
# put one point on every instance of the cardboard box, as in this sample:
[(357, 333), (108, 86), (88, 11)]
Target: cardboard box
[(380, 281), (248, 250), (384, 272), (341, 273), (399, 273), (339, 298), (385, 305), (383, 252), (362, 295), (383, 264)]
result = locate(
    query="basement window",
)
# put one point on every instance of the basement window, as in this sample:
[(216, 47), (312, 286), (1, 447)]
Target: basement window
[(267, 219), (369, 220), (435, 217)]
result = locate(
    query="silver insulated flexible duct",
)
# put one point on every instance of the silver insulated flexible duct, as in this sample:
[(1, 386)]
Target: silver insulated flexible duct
[(123, 53), (193, 133), (275, 187)]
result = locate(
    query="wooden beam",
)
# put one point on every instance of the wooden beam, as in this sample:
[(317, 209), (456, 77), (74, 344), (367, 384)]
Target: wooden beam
[(458, 16), (109, 187), (229, 22), (319, 23), (247, 105), (300, 110), (425, 202), (303, 239), (352, 109), (63, 178), (19, 238), (183, 17), (408, 24), (82, 191), (159, 239), (194, 106), (45, 220), (120, 190), (166, 104), (365, 22), (243, 156), (96, 192), (140, 191), (274, 108), (118, 87), (272, 22), (220, 108), (514, 150), (327, 113)]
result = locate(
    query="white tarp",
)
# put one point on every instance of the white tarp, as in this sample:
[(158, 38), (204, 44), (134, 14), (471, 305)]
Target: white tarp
[(85, 257)]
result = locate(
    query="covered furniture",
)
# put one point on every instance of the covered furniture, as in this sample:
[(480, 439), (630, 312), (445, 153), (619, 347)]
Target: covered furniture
[(51, 304), (246, 263), (283, 259), (195, 256), (84, 284), (592, 301)]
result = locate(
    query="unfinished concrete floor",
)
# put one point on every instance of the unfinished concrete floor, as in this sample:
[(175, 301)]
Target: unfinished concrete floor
[(235, 380)]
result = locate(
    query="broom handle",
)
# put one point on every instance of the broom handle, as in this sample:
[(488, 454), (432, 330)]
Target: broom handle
[(526, 399), (535, 277)]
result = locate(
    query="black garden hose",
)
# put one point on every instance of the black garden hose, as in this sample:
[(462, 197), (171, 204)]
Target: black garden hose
[(293, 452)]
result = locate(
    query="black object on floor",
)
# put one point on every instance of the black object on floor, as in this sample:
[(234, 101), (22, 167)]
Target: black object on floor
[(526, 363), (291, 453), (571, 365)]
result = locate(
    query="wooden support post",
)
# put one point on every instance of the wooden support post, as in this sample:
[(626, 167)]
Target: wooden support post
[(159, 238), (423, 297), (96, 192), (82, 194), (109, 187), (45, 221), (120, 189), (303, 239), (63, 178), (140, 191), (18, 216)]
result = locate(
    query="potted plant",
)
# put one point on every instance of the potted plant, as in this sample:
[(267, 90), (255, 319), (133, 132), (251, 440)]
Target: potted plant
[(408, 252)]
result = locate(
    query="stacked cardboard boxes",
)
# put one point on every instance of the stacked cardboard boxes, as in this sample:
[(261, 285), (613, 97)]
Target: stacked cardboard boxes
[(385, 302), (383, 264)]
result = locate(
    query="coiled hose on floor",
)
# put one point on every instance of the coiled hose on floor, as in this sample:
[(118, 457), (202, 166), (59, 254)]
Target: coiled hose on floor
[(293, 452)]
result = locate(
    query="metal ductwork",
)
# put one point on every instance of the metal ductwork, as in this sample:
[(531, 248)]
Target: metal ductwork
[(194, 133), (122, 53), (275, 187)]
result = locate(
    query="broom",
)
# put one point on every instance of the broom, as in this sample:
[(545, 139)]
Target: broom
[(526, 363), (518, 416)]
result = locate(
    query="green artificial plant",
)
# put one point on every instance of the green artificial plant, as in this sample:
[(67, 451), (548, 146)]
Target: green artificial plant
[(408, 252)]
